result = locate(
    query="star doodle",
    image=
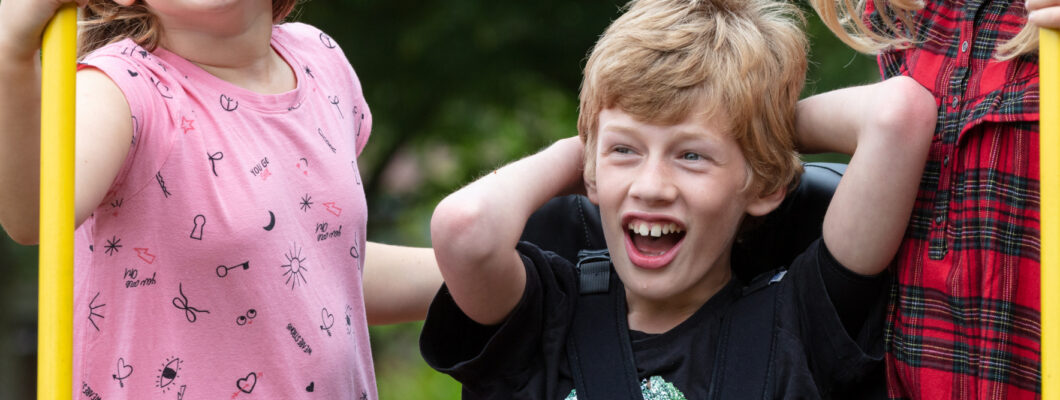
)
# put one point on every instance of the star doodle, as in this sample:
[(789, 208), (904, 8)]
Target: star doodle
[(187, 124), (306, 204), (113, 244)]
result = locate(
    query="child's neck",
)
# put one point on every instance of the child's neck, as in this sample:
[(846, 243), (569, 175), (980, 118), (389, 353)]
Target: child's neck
[(246, 59), (651, 316)]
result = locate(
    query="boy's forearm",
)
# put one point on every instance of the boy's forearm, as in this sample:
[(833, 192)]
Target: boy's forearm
[(501, 201), (868, 214), (829, 122), (474, 230)]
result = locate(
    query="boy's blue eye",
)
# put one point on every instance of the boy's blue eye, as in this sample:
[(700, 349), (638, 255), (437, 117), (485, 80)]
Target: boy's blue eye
[(691, 157), (623, 150)]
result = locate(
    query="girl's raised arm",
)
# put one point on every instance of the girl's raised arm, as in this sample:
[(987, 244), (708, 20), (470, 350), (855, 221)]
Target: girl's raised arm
[(104, 124)]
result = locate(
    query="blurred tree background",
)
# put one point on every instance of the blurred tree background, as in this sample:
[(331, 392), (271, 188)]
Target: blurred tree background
[(456, 87)]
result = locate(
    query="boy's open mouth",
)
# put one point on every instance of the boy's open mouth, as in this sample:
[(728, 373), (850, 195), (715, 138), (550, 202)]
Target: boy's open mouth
[(650, 244)]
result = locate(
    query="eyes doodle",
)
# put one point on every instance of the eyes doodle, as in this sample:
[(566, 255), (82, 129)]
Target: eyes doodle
[(246, 318)]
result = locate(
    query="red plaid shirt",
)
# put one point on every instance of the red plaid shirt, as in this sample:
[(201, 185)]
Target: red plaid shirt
[(964, 320)]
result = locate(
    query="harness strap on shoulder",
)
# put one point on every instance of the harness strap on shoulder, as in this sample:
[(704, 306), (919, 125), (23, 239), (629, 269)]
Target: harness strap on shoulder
[(742, 368), (598, 346)]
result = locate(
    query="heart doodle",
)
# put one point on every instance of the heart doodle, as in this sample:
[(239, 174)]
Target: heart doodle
[(327, 319), (246, 385), (124, 371)]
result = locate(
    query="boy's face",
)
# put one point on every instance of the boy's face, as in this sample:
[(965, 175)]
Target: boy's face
[(671, 200)]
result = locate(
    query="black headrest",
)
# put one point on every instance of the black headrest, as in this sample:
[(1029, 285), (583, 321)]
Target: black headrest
[(567, 224)]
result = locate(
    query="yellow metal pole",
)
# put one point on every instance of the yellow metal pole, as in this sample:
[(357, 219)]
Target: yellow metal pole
[(55, 329), (1049, 109)]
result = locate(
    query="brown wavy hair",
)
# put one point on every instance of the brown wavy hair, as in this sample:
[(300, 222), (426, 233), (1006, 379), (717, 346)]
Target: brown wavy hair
[(845, 19), (104, 22), (741, 60)]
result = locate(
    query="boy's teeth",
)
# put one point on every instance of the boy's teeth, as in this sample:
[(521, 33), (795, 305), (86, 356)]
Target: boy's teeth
[(654, 230)]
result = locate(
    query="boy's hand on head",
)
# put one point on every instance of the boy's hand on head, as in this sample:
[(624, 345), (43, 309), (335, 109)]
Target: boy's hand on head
[(572, 149), (22, 23), (1044, 13)]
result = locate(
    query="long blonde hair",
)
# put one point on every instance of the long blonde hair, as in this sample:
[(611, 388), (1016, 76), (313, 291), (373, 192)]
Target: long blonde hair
[(845, 19), (743, 60), (104, 22)]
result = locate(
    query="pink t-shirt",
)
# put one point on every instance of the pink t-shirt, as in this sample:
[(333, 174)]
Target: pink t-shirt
[(226, 260)]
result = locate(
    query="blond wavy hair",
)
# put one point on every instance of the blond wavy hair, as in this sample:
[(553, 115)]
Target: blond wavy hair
[(845, 18), (104, 22), (741, 60)]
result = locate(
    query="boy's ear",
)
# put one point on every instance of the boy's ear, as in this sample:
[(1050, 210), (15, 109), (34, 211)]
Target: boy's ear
[(766, 203), (590, 188)]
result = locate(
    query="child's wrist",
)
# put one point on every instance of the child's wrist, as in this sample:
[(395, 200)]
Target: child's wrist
[(14, 50)]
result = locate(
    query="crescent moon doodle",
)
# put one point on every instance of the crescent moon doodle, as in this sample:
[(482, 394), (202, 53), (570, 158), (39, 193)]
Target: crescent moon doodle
[(272, 222)]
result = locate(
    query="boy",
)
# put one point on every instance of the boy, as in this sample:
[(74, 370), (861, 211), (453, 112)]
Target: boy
[(688, 124)]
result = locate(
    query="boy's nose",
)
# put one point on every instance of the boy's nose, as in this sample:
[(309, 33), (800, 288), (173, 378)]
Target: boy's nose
[(653, 183)]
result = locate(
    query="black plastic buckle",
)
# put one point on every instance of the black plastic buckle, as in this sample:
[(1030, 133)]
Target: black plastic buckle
[(594, 271)]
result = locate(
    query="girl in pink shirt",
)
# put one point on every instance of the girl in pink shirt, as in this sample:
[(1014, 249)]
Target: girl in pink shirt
[(220, 249)]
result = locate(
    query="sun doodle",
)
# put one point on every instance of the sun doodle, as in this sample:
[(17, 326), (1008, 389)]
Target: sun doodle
[(294, 270)]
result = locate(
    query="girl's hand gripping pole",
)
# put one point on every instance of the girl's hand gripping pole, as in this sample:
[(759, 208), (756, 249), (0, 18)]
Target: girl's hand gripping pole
[(56, 295)]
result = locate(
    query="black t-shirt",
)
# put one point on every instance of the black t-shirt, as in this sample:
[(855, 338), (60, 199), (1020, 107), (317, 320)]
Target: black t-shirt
[(525, 356)]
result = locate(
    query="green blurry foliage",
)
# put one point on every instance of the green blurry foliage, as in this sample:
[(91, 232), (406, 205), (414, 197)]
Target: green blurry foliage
[(456, 89)]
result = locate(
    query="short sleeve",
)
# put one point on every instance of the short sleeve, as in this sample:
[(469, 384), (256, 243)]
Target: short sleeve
[(153, 97), (844, 360), (332, 62), (508, 354)]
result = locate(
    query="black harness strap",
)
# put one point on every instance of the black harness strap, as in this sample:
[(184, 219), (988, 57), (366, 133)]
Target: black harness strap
[(598, 346), (741, 367)]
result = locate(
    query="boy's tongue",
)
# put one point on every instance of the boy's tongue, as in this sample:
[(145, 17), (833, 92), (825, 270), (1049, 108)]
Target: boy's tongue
[(654, 246)]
